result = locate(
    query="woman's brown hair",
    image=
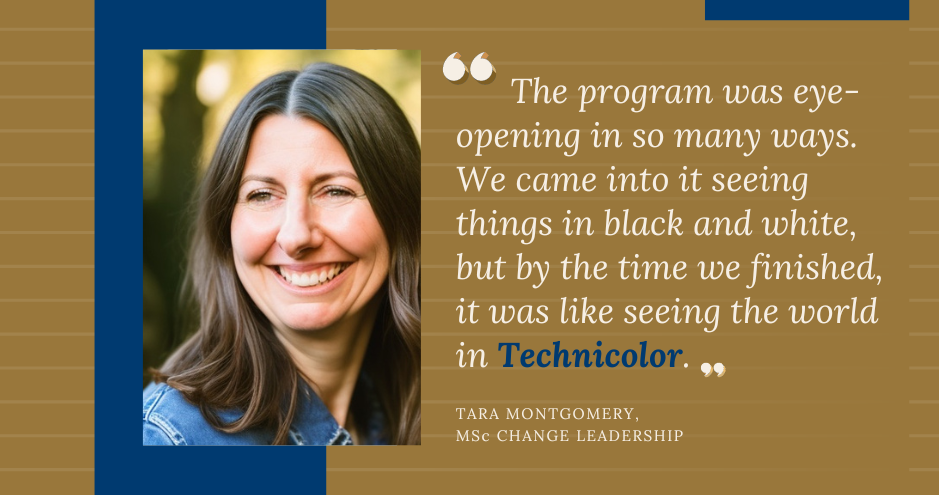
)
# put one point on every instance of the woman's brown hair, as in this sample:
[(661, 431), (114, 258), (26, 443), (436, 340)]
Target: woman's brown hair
[(234, 359)]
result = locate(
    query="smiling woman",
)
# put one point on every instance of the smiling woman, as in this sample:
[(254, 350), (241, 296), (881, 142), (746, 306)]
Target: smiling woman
[(307, 245), (305, 267)]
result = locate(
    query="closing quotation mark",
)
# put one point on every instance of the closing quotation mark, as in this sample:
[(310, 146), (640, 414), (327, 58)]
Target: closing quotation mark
[(481, 69), (718, 368)]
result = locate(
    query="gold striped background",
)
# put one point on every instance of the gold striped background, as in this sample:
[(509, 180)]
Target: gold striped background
[(47, 247), (802, 409)]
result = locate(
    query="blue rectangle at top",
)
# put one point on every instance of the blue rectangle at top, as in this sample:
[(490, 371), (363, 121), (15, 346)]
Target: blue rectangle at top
[(807, 10)]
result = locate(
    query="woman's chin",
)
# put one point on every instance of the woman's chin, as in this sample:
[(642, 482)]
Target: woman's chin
[(309, 324)]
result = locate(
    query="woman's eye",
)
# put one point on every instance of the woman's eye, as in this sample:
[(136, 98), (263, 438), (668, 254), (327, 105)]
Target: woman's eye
[(340, 193), (259, 197), (335, 196)]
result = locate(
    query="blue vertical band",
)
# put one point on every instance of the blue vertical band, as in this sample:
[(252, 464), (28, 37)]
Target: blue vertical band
[(122, 31), (807, 10)]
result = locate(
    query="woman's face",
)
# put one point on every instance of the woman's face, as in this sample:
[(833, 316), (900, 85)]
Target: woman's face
[(307, 246)]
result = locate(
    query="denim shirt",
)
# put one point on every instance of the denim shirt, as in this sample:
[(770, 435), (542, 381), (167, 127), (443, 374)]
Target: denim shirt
[(169, 419)]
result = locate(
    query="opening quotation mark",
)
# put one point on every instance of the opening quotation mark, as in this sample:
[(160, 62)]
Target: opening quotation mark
[(481, 69), (454, 69)]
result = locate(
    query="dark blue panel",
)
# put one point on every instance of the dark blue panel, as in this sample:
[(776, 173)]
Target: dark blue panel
[(807, 10), (122, 30)]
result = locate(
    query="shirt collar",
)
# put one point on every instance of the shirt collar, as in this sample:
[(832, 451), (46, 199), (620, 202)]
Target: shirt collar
[(315, 425)]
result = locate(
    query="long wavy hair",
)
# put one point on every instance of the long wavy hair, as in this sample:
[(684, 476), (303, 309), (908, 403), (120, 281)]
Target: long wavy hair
[(234, 359)]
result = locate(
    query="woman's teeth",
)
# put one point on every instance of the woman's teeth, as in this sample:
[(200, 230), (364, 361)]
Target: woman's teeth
[(319, 276)]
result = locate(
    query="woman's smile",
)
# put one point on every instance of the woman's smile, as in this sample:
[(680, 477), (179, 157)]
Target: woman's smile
[(311, 280), (311, 275)]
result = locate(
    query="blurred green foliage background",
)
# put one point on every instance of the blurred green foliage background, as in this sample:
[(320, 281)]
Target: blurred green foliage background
[(188, 96)]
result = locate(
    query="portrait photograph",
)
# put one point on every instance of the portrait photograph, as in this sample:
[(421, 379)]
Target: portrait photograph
[(282, 248)]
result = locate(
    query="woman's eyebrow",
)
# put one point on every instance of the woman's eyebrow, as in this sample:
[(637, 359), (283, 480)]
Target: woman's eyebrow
[(340, 173), (319, 178), (259, 178)]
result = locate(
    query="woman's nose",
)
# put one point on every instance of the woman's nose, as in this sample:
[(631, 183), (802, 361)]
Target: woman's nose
[(299, 230)]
